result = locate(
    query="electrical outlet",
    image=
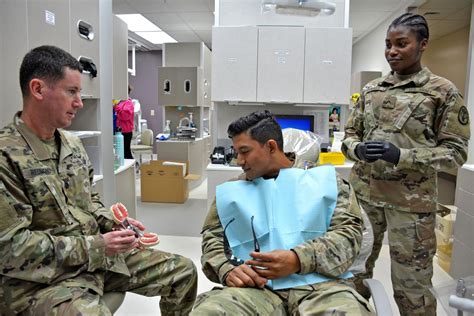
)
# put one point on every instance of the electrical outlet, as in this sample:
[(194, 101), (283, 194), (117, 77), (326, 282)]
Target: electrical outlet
[(152, 112)]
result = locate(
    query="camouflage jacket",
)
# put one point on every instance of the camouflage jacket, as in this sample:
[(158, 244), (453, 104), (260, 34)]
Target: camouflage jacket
[(329, 255), (50, 220), (425, 117)]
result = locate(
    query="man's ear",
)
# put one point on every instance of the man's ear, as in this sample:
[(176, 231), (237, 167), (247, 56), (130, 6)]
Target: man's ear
[(36, 87), (272, 145)]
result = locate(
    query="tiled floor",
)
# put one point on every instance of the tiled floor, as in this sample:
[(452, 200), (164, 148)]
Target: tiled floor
[(179, 225)]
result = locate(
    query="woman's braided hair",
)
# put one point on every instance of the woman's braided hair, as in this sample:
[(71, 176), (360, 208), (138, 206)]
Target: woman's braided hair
[(417, 23)]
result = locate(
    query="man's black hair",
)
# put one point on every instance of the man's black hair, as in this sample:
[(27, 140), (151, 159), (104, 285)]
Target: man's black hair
[(417, 23), (260, 125), (46, 63)]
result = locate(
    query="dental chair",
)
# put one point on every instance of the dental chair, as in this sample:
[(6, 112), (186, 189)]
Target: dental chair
[(306, 145), (145, 146)]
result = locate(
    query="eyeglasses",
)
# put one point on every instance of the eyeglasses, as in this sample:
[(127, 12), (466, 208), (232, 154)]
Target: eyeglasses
[(228, 251)]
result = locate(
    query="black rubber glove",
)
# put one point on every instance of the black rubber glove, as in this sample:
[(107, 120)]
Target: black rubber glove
[(373, 150), (369, 151), (391, 153)]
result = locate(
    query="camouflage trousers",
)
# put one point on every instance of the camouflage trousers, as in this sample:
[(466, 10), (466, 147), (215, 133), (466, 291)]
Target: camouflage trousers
[(412, 244), (153, 273), (328, 298)]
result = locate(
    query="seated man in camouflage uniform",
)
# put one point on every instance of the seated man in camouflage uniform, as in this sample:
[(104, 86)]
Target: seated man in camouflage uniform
[(59, 247), (248, 290)]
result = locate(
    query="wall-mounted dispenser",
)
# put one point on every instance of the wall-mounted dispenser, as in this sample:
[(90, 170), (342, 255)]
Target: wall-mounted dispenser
[(187, 86), (167, 86), (88, 66), (85, 30)]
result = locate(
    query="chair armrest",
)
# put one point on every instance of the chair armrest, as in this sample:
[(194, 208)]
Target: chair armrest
[(379, 296)]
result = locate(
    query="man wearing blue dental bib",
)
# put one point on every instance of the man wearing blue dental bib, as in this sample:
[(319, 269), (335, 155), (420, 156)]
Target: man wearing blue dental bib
[(279, 239)]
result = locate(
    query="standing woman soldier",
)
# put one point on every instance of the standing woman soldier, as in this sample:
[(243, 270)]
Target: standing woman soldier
[(405, 128)]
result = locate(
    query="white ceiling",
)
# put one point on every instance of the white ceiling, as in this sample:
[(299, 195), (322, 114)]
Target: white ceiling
[(192, 20)]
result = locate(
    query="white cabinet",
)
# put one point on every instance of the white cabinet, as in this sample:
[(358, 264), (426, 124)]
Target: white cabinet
[(327, 73), (280, 64), (84, 38), (120, 56), (234, 63)]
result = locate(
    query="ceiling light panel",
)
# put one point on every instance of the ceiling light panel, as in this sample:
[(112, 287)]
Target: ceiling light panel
[(156, 37), (138, 23)]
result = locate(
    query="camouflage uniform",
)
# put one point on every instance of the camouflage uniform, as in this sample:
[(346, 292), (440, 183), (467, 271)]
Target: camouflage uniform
[(330, 255), (424, 115), (53, 258)]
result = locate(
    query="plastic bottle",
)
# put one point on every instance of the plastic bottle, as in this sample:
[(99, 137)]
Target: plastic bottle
[(167, 129), (191, 123), (119, 146), (116, 160)]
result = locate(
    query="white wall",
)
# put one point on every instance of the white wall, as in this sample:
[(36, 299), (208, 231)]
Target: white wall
[(13, 22), (368, 53)]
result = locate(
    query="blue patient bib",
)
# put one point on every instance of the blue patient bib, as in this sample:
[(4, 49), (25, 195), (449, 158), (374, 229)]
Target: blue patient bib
[(295, 207)]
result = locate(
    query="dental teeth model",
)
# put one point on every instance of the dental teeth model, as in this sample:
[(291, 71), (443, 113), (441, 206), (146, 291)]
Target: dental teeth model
[(120, 214)]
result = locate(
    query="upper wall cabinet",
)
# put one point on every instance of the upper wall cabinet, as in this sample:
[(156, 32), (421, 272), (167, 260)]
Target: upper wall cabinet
[(280, 64), (84, 28), (327, 73), (180, 86), (48, 23), (234, 63)]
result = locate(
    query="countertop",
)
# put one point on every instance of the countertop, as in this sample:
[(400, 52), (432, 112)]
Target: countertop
[(176, 140)]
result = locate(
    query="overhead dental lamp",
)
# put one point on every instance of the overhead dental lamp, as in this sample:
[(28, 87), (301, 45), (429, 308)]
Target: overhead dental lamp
[(300, 7)]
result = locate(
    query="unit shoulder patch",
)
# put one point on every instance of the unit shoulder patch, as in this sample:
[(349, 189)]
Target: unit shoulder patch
[(463, 116)]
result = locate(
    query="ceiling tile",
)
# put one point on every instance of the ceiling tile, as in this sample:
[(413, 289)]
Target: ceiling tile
[(149, 6), (184, 36), (443, 13), (188, 5), (198, 20), (121, 7), (365, 20), (449, 4), (444, 27), (168, 21), (461, 15), (374, 5)]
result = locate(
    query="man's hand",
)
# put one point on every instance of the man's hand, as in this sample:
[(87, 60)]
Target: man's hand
[(136, 223), (119, 241), (274, 264), (244, 276)]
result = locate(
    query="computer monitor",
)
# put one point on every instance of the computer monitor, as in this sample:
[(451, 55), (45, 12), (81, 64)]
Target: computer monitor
[(302, 122)]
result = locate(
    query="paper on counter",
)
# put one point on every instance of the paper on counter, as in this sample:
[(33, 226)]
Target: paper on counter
[(337, 142), (174, 163)]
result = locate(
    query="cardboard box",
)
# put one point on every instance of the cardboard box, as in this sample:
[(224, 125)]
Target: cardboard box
[(165, 183), (444, 262), (444, 224), (444, 244)]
